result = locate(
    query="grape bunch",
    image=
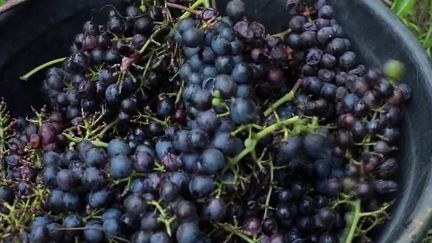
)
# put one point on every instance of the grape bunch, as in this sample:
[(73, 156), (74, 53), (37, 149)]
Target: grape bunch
[(106, 66), (171, 123)]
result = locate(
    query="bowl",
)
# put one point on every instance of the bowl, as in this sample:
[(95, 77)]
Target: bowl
[(34, 32)]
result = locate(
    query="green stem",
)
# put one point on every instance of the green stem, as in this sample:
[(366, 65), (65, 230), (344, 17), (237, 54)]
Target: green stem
[(286, 98), (282, 34), (357, 215), (230, 229), (181, 7), (195, 5), (26, 76), (164, 217), (270, 129), (179, 93), (96, 143), (269, 193), (107, 128), (149, 41), (255, 138)]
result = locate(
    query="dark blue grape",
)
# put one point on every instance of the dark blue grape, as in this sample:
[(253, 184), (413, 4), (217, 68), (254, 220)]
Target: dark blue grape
[(198, 139), (289, 149), (192, 37), (190, 161), (201, 186), (163, 148), (72, 221), (181, 141), (160, 237), (322, 168), (49, 176), (313, 85), (208, 120), (71, 201), (189, 51), (120, 167), (95, 157), (226, 86), (66, 180), (212, 161), (186, 211), (337, 46), (195, 78), (112, 227), (326, 12), (54, 232), (39, 234), (99, 198), (224, 64), (180, 179), (143, 159), (117, 147), (220, 46), (93, 178), (149, 222), (347, 60), (111, 213), (144, 26), (187, 233), (241, 73), (236, 9), (208, 72), (195, 63), (135, 204), (243, 111), (141, 237), (184, 71), (168, 191), (51, 158), (215, 209), (93, 232), (201, 99), (186, 24), (296, 23)]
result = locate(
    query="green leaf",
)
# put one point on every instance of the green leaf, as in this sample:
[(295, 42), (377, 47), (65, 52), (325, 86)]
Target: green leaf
[(403, 7), (2, 2)]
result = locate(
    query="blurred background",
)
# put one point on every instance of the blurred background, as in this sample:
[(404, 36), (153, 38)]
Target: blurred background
[(417, 15)]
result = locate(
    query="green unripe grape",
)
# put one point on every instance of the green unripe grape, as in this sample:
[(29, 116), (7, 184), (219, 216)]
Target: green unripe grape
[(394, 69)]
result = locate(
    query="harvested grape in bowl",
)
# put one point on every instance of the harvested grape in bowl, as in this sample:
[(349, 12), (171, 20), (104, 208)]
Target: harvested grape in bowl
[(189, 122)]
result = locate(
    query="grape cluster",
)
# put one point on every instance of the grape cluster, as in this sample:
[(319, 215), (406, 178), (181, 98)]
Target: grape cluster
[(106, 66), (172, 126)]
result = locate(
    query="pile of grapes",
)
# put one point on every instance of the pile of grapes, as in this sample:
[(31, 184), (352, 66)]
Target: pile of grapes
[(172, 123)]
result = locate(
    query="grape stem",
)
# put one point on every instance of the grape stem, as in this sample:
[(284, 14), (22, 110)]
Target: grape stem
[(357, 215), (4, 128), (256, 137), (181, 7), (269, 193), (151, 39), (282, 34), (26, 76), (74, 139), (194, 6), (163, 216), (107, 128), (231, 229), (286, 98)]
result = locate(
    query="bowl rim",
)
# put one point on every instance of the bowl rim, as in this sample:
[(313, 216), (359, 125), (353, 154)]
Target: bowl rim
[(415, 226)]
